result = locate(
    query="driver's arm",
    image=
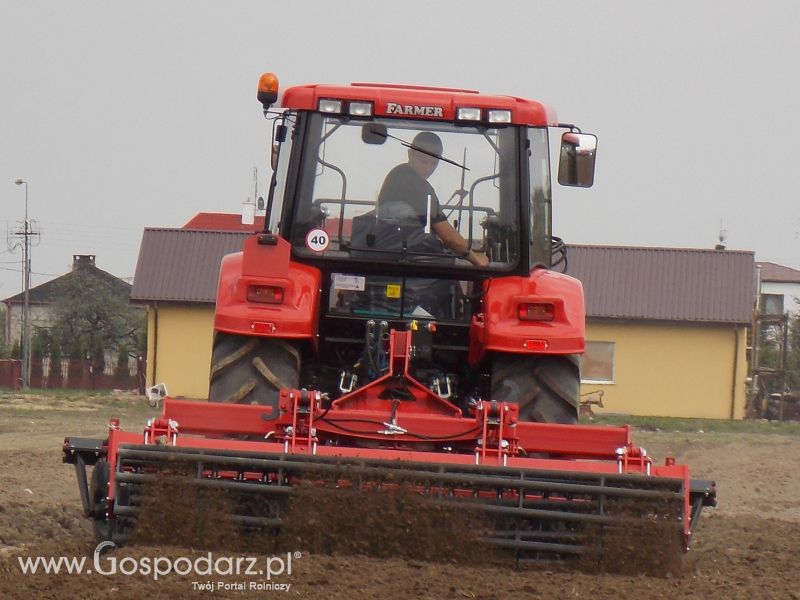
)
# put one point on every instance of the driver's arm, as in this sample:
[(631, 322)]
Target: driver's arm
[(457, 244)]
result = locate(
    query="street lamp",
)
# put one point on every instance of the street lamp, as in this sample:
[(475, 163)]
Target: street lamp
[(26, 319)]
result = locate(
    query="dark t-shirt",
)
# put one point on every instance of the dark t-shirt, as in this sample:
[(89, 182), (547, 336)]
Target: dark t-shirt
[(404, 197)]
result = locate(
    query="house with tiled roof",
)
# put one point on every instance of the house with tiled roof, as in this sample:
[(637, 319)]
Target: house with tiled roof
[(176, 280), (41, 297), (666, 327), (780, 288), (223, 222)]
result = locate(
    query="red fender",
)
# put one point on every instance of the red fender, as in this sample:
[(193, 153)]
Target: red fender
[(297, 317), (498, 328)]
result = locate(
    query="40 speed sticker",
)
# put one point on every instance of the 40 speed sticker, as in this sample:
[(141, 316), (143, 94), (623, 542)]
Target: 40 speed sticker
[(317, 240)]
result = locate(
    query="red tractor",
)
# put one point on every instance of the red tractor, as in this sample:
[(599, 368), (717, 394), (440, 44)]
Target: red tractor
[(400, 314), (364, 247)]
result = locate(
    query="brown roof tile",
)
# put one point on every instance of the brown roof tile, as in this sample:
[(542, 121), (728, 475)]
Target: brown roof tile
[(44, 293), (182, 265), (778, 273), (661, 284), (665, 284)]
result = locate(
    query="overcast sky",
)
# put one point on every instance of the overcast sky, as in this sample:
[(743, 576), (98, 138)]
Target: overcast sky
[(125, 115)]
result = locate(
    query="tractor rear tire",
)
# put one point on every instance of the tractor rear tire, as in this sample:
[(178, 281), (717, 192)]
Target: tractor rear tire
[(546, 388), (252, 370)]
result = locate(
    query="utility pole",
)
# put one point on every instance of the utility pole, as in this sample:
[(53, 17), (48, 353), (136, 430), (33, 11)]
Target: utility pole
[(26, 234)]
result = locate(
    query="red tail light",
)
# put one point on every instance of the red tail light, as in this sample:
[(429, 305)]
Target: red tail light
[(269, 294), (536, 311), (263, 327), (536, 345)]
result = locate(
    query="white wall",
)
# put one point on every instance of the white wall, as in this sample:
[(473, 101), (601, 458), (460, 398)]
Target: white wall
[(790, 292), (40, 317)]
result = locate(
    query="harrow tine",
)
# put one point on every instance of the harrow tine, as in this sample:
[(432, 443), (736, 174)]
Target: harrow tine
[(511, 534), (541, 516), (132, 511), (260, 488), (658, 489), (539, 546), (530, 513)]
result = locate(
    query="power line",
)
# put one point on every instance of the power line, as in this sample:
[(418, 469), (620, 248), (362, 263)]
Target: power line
[(27, 234), (84, 225), (32, 272)]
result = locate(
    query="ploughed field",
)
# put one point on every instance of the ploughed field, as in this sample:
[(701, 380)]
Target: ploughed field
[(748, 547)]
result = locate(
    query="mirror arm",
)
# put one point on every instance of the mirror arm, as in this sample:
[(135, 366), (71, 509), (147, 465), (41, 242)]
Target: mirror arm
[(569, 126)]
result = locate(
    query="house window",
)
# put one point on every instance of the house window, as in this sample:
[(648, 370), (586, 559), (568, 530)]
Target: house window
[(598, 363), (771, 304)]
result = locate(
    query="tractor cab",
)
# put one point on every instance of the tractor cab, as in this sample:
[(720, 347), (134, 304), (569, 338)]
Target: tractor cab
[(379, 196), (354, 184), (407, 196)]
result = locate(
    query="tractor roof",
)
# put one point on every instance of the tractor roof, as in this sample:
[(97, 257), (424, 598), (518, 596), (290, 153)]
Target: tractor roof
[(418, 102)]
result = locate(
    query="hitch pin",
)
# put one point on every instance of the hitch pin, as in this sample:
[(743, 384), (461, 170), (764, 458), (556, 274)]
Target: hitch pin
[(391, 427)]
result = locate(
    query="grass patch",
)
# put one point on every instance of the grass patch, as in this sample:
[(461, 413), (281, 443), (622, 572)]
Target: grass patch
[(672, 424), (64, 393), (83, 404)]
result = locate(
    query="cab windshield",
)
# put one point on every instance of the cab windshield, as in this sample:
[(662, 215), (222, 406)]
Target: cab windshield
[(408, 191)]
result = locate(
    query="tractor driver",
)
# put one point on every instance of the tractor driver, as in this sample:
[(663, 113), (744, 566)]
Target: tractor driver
[(406, 195)]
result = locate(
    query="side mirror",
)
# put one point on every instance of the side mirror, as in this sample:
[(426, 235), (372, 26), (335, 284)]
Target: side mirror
[(374, 133), (576, 164)]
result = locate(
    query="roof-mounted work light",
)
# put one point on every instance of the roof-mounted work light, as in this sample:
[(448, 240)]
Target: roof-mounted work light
[(468, 114), (499, 116), (360, 109), (333, 107)]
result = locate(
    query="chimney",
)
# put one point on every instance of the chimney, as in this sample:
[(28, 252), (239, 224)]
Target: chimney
[(82, 260)]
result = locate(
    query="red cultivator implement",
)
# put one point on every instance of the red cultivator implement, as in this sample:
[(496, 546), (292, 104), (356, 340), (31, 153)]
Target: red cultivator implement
[(548, 491)]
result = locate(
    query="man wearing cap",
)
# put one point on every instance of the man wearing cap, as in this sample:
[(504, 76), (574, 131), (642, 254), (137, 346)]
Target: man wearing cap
[(407, 197)]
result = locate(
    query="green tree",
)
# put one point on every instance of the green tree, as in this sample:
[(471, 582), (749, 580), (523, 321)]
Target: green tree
[(94, 312), (769, 346), (141, 342), (771, 355), (37, 353), (793, 357), (97, 356), (97, 352), (75, 368), (121, 373), (54, 376)]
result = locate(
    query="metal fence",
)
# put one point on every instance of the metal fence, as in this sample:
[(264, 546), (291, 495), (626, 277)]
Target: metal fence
[(75, 374), (10, 373)]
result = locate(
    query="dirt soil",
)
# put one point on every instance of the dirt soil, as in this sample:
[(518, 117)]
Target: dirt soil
[(748, 547)]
